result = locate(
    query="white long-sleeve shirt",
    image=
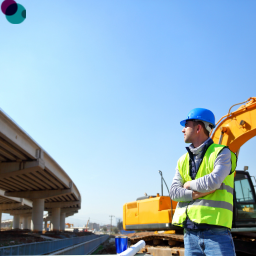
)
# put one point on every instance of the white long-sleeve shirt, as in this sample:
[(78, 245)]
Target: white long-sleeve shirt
[(212, 181)]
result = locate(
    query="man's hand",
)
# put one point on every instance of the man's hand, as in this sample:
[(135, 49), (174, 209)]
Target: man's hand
[(187, 185), (196, 195)]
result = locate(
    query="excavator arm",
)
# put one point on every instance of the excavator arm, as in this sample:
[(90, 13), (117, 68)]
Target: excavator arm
[(236, 128)]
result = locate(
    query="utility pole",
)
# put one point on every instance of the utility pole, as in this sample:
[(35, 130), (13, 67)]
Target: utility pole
[(111, 216)]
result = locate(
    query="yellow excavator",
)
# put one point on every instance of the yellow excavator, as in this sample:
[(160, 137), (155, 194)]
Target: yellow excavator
[(154, 213)]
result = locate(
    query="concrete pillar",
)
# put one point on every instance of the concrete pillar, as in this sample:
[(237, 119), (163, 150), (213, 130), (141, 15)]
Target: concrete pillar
[(62, 221), (38, 215), (25, 223), (45, 224), (0, 220), (56, 219), (16, 221), (30, 223), (21, 226)]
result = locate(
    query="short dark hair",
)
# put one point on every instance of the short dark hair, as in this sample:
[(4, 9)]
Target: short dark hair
[(206, 132)]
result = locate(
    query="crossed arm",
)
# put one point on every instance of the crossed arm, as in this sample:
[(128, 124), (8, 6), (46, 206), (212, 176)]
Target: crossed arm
[(181, 192), (196, 194), (187, 191)]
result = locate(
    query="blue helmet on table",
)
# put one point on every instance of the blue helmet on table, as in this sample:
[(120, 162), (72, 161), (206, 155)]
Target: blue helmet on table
[(201, 114)]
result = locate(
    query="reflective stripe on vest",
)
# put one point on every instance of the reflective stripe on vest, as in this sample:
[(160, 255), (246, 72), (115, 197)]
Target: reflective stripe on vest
[(215, 208), (226, 187), (211, 203)]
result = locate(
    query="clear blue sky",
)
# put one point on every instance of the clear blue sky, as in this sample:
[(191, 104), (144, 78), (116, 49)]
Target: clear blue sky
[(102, 86)]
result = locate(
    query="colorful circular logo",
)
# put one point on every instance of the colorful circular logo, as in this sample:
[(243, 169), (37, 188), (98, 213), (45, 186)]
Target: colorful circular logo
[(14, 13)]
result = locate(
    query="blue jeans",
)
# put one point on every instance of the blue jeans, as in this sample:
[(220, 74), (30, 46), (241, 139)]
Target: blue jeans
[(216, 241)]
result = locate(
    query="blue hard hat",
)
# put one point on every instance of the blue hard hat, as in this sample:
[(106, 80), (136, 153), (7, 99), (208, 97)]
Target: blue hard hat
[(200, 114)]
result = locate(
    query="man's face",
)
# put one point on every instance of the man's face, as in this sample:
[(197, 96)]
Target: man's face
[(189, 132)]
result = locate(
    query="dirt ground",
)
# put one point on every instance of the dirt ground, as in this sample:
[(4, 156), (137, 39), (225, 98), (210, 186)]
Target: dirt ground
[(252, 242), (138, 234), (20, 236), (66, 234), (106, 248), (14, 237)]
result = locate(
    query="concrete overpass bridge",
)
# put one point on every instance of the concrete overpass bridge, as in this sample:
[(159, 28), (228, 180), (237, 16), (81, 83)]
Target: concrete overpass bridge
[(29, 174), (8, 204)]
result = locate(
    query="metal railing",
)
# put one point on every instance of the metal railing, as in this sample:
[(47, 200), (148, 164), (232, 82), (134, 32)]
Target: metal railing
[(41, 248), (83, 248)]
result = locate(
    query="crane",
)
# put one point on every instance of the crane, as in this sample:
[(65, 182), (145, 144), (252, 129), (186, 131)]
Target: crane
[(87, 225)]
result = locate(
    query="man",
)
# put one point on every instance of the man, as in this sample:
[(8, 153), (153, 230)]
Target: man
[(203, 185)]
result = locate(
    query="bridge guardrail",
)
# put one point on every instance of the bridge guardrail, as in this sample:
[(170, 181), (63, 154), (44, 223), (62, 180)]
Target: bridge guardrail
[(40, 248), (83, 248)]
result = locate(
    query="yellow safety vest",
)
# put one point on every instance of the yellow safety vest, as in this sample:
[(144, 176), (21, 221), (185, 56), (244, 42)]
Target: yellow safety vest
[(215, 208)]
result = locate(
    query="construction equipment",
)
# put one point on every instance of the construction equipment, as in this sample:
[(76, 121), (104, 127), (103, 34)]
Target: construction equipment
[(155, 212), (86, 230), (69, 225)]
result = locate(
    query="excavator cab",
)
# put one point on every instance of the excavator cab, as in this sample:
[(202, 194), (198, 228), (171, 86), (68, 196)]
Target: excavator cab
[(244, 213)]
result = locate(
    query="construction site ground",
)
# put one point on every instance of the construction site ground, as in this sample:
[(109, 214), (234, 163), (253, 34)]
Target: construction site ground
[(17, 236), (107, 248), (156, 244), (159, 244), (245, 243)]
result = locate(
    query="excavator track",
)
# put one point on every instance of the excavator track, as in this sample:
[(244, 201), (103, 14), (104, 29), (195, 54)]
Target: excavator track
[(151, 237), (162, 244)]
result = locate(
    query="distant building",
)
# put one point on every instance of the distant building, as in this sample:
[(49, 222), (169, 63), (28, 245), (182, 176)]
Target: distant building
[(6, 224), (108, 226), (94, 226)]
